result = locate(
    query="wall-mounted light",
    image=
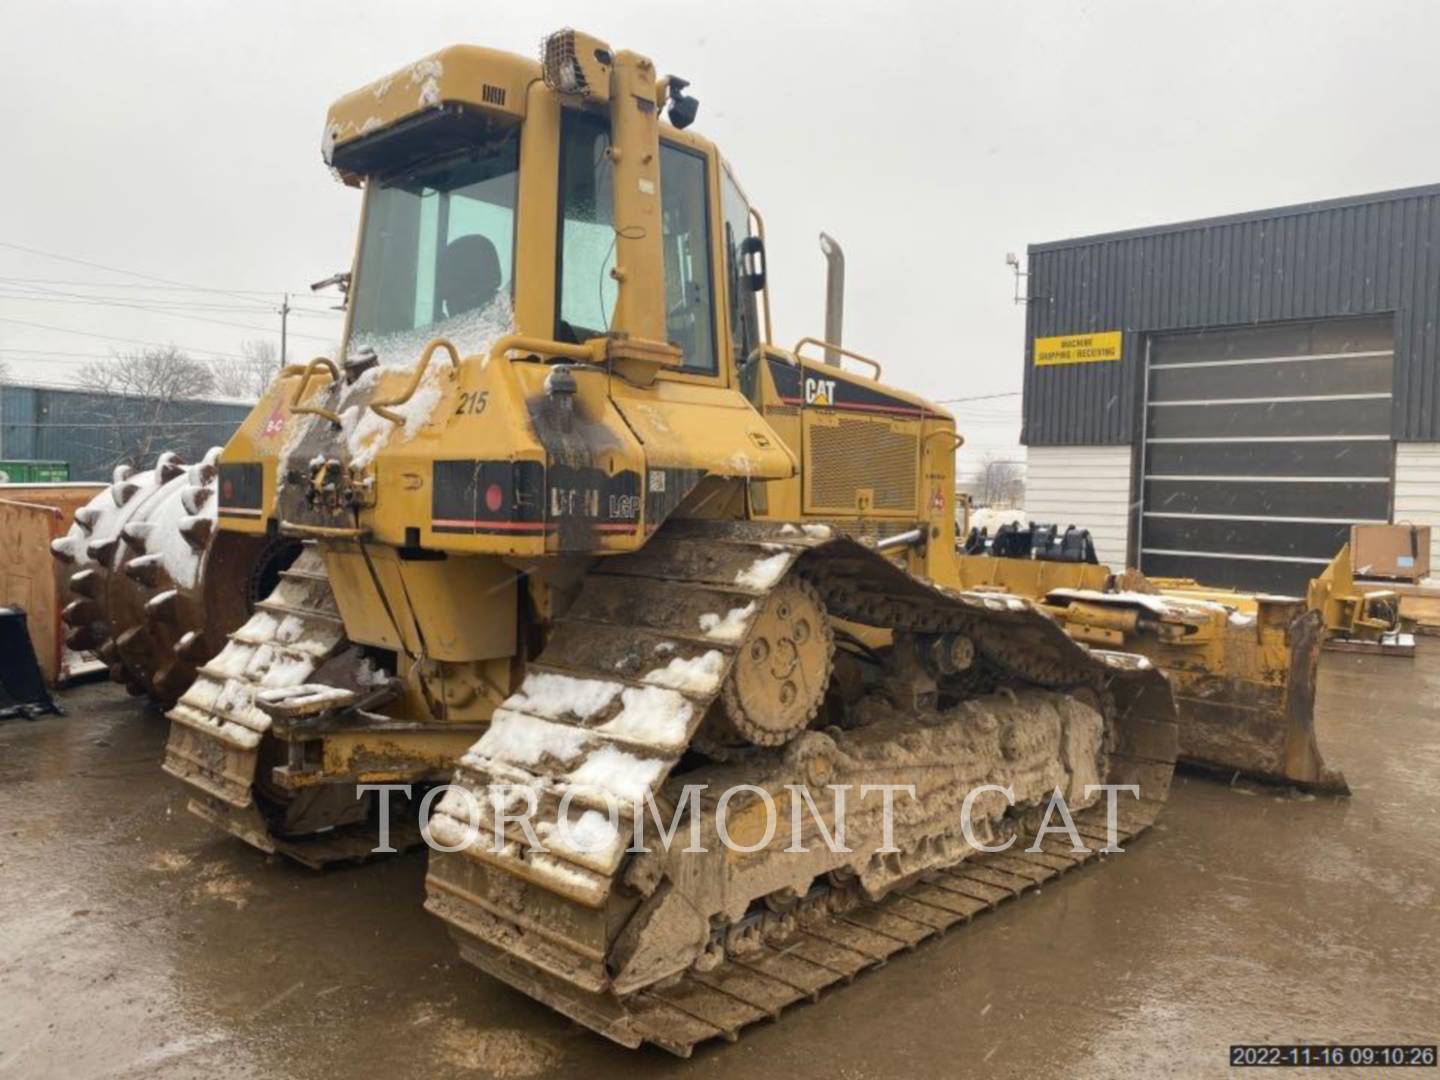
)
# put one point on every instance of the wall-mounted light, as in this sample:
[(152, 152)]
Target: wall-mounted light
[(1013, 261)]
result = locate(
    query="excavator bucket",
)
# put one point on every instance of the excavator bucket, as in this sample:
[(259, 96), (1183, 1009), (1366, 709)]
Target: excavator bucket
[(22, 689)]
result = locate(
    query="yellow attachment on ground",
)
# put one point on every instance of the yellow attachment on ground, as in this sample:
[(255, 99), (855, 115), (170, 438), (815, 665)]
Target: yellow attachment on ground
[(1242, 665), (1029, 577), (1348, 611)]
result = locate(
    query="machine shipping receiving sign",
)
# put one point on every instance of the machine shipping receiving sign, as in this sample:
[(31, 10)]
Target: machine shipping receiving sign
[(1077, 348)]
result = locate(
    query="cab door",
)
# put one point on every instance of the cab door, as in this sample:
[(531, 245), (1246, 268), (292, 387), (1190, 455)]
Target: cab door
[(690, 420)]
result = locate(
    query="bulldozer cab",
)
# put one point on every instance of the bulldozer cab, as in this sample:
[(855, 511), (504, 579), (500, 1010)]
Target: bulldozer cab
[(440, 235), (547, 312), (558, 336)]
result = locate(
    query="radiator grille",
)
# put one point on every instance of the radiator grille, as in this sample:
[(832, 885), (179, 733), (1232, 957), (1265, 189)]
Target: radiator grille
[(857, 454)]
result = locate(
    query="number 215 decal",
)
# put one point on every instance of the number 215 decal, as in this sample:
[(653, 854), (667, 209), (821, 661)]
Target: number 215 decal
[(472, 402)]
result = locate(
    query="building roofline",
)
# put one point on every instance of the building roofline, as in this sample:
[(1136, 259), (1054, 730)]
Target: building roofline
[(15, 384), (1292, 210)]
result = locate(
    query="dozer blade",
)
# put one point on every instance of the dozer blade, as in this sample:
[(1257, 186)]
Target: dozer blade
[(676, 947), (1232, 724), (1243, 671)]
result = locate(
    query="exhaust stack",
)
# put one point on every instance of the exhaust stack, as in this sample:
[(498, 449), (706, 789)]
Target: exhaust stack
[(834, 295)]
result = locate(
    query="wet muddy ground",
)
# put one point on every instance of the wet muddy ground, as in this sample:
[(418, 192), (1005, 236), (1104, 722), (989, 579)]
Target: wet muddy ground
[(136, 942)]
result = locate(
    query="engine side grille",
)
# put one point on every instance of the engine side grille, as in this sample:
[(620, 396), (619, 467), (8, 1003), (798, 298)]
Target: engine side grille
[(856, 454)]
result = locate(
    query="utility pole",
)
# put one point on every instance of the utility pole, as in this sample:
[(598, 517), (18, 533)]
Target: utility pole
[(284, 318)]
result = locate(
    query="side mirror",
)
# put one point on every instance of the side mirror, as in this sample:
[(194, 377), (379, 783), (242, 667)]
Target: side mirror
[(752, 262)]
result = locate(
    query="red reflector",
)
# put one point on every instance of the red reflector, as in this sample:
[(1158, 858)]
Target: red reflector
[(493, 497)]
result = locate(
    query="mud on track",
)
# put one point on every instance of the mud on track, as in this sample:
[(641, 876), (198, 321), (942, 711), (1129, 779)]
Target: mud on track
[(135, 942)]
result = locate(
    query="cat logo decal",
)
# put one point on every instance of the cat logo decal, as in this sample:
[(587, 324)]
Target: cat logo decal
[(819, 391)]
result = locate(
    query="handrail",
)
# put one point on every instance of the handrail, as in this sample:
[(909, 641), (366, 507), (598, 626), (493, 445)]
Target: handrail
[(587, 353), (316, 410), (959, 439), (322, 532), (760, 232), (385, 408), (841, 350)]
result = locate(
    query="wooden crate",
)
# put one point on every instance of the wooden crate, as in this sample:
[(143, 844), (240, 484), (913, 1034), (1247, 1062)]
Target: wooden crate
[(31, 515)]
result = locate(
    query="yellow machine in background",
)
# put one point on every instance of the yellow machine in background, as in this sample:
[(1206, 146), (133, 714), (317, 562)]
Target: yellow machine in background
[(1243, 665)]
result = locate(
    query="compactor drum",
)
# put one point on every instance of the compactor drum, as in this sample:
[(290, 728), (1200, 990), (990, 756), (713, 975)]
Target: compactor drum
[(155, 587)]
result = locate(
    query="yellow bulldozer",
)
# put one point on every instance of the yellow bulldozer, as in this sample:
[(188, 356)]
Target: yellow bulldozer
[(560, 525)]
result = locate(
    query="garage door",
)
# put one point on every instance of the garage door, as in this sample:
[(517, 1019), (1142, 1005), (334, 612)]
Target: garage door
[(1263, 446)]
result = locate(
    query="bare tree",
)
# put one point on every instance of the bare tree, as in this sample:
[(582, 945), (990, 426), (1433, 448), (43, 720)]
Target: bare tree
[(248, 376), (137, 393), (1002, 481), (164, 373), (4, 372)]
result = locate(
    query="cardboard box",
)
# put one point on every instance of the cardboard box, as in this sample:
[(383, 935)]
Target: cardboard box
[(1391, 551)]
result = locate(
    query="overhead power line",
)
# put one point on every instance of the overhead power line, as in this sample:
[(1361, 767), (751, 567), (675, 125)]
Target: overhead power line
[(84, 360), (127, 273), (14, 351), (141, 285), (75, 298), (113, 337), (159, 302), (977, 397)]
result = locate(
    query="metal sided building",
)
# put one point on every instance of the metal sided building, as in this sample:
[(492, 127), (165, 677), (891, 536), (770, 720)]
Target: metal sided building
[(94, 432), (1222, 399)]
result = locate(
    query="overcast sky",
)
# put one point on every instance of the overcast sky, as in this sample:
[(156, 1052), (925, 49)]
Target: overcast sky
[(181, 141)]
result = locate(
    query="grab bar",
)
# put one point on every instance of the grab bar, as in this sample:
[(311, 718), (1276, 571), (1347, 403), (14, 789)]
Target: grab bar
[(839, 349), (316, 410), (385, 408)]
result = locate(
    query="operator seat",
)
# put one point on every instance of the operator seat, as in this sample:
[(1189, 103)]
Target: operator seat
[(469, 274)]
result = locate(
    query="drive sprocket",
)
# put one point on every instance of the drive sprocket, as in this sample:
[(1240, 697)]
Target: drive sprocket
[(776, 687)]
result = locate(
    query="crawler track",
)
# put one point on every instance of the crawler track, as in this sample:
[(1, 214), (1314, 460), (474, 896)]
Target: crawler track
[(820, 956), (538, 920), (217, 732)]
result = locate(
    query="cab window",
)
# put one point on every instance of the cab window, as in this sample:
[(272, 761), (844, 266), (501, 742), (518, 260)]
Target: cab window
[(744, 312), (586, 300), (685, 233), (437, 242), (585, 304)]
